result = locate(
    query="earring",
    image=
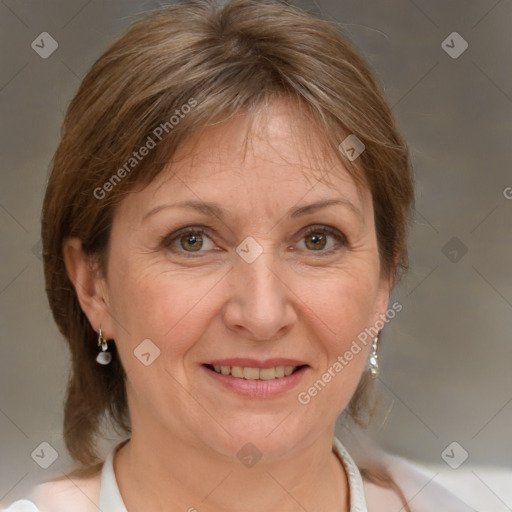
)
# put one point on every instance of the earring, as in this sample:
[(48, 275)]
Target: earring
[(374, 359), (103, 357)]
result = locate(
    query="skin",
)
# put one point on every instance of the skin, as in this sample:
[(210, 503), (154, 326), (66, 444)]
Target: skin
[(293, 301)]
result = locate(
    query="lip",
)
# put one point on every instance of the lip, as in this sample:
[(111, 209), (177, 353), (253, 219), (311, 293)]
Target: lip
[(257, 388), (255, 363)]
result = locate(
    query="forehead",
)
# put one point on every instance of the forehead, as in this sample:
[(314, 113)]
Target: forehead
[(276, 153)]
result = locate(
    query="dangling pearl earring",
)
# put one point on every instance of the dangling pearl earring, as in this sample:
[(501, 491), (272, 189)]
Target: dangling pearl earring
[(374, 359), (103, 357)]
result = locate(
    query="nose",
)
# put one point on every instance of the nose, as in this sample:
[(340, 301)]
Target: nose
[(260, 305)]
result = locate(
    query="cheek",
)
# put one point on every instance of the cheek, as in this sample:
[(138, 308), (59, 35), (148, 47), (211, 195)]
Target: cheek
[(170, 309), (344, 303), (341, 310)]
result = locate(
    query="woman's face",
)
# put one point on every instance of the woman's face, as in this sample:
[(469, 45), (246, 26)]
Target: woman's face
[(238, 256)]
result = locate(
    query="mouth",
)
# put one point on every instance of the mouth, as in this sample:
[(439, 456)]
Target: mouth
[(253, 373), (256, 378)]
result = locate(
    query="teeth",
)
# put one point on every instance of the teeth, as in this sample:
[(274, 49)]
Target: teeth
[(267, 373), (237, 371), (288, 370), (248, 373)]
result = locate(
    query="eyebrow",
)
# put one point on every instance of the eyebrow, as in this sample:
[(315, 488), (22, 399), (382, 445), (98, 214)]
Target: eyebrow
[(201, 206), (298, 211), (208, 208)]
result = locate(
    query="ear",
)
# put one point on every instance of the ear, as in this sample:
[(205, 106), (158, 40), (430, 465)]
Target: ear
[(381, 300), (90, 286), (386, 283)]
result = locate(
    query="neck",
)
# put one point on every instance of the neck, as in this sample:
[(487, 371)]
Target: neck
[(155, 472)]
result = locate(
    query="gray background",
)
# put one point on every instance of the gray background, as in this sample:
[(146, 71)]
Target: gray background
[(445, 359)]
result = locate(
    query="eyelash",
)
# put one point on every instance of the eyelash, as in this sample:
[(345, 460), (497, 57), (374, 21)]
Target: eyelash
[(327, 230), (310, 230)]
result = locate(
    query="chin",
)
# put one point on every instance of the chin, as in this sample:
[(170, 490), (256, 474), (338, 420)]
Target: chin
[(262, 436)]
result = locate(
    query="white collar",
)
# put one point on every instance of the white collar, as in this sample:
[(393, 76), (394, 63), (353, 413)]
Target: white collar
[(110, 497), (111, 500), (355, 481)]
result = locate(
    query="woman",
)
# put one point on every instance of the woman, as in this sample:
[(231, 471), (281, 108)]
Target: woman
[(225, 219)]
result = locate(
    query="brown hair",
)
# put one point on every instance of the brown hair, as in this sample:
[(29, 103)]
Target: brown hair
[(220, 61)]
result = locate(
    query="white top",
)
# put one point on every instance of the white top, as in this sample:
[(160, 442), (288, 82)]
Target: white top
[(66, 495), (110, 499)]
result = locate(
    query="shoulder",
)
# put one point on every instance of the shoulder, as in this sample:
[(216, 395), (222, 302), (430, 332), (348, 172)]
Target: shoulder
[(77, 494), (59, 495), (21, 506), (422, 492)]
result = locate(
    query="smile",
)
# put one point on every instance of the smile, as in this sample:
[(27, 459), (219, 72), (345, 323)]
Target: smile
[(250, 373), (256, 378)]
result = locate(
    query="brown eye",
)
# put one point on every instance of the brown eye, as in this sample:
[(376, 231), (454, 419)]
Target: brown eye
[(322, 239), (191, 242), (315, 241)]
